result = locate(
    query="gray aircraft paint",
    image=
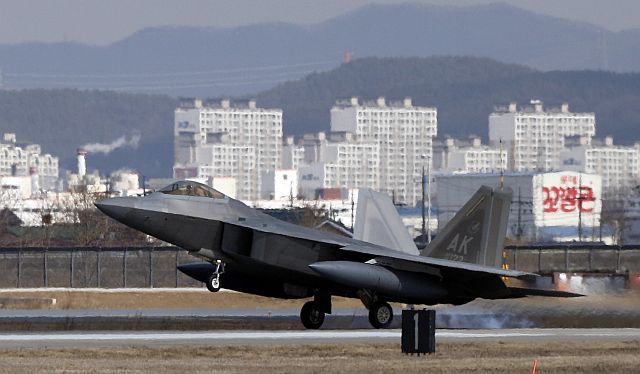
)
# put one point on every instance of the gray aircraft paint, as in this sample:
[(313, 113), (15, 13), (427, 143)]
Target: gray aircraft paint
[(378, 222), (477, 231)]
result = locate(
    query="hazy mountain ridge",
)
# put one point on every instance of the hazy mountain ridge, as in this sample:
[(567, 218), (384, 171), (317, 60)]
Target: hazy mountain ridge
[(497, 31), (465, 90)]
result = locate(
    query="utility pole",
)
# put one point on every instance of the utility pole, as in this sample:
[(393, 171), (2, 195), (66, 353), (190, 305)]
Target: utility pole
[(501, 168), (519, 230), (429, 200), (352, 211), (424, 231), (579, 198)]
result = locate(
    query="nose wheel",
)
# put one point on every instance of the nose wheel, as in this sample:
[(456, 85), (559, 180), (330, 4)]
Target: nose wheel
[(311, 315), (213, 283)]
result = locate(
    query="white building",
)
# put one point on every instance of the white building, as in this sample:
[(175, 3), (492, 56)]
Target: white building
[(619, 166), (292, 154), (403, 133), (338, 162), (280, 185), (225, 140), (534, 137), (474, 158), (27, 159)]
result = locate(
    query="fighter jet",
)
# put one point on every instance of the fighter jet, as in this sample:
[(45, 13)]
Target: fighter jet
[(249, 251)]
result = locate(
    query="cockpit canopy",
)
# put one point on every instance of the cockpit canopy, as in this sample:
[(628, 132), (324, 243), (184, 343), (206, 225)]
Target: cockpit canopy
[(190, 188)]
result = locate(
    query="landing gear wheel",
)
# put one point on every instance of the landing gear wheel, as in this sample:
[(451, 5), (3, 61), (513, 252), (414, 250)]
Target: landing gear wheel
[(380, 315), (213, 283), (311, 315)]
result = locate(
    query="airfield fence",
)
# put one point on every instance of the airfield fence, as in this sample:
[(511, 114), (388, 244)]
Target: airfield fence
[(574, 258), (156, 267), (88, 267)]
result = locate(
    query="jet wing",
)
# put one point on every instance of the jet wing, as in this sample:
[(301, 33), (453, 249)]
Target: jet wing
[(440, 264)]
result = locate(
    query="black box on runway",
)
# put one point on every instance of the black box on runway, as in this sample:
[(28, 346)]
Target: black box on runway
[(418, 331)]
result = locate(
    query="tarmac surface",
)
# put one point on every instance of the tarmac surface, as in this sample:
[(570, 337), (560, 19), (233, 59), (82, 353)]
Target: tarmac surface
[(87, 339)]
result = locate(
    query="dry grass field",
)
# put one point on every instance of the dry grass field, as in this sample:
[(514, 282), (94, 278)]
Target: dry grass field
[(468, 357), (149, 299)]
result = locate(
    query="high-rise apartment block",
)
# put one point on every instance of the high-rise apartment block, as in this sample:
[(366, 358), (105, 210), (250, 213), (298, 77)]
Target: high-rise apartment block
[(534, 137), (292, 154), (618, 165), (218, 139), (403, 134), (456, 156), (27, 159), (338, 161)]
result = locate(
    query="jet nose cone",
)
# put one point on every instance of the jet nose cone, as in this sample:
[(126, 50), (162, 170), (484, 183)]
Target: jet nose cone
[(116, 208)]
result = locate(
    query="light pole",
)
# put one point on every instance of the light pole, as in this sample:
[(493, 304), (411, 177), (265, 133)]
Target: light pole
[(428, 193)]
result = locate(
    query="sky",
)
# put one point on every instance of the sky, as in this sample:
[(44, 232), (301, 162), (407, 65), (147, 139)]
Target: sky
[(101, 22)]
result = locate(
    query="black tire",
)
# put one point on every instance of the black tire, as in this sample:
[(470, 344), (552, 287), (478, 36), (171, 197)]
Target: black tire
[(311, 315), (380, 315), (211, 284)]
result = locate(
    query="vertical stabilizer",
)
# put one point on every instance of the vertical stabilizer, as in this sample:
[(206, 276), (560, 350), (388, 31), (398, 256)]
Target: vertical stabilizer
[(476, 233), (378, 222)]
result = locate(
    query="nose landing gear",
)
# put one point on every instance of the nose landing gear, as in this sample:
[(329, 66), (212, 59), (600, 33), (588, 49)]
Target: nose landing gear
[(312, 313), (213, 283)]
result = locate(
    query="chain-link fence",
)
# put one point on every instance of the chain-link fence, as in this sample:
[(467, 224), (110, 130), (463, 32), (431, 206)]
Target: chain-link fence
[(84, 267), (155, 267)]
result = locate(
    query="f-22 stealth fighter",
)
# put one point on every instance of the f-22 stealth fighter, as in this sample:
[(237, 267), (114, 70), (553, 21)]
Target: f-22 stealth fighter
[(249, 251)]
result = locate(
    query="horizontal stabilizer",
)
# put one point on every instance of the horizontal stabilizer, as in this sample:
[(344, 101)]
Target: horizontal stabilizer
[(521, 292)]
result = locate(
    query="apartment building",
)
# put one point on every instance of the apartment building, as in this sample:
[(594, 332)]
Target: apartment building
[(535, 137), (618, 165), (27, 159), (218, 139), (403, 134), (471, 157), (337, 161)]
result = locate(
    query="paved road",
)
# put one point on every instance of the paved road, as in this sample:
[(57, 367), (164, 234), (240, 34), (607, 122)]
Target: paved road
[(218, 338)]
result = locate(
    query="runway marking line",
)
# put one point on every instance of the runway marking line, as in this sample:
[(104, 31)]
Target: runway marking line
[(296, 335)]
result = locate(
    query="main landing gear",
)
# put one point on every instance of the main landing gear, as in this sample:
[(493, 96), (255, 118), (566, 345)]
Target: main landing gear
[(213, 283), (380, 312)]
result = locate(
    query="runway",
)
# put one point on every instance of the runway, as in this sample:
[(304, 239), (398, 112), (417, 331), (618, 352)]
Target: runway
[(225, 338)]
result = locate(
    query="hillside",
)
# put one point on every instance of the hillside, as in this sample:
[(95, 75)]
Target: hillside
[(62, 120), (235, 61), (464, 89)]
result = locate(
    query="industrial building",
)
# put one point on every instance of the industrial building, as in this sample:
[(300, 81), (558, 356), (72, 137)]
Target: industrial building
[(557, 206)]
